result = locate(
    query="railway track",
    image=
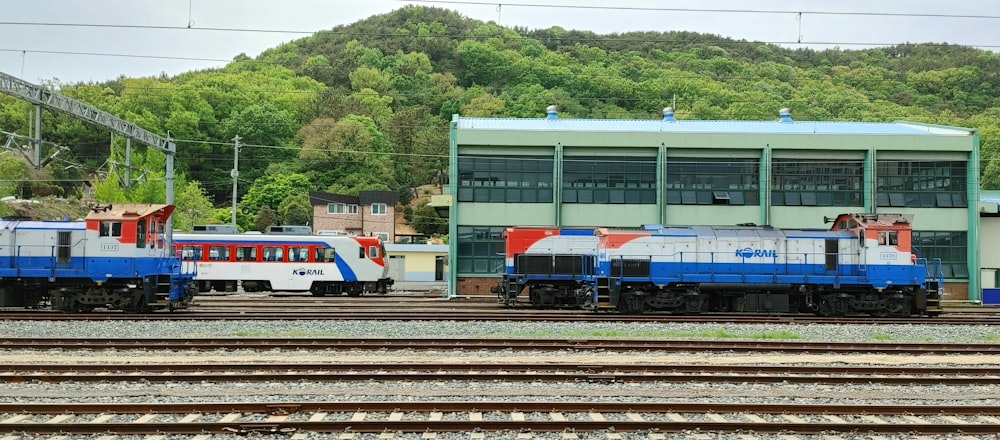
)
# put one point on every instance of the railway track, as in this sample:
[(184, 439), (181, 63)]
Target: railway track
[(443, 314), (491, 344), (510, 372), (657, 419)]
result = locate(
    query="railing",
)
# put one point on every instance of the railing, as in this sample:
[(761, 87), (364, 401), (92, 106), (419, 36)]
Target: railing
[(778, 264)]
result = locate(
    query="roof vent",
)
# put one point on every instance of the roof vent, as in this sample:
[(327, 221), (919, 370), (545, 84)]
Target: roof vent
[(551, 112), (785, 115), (668, 114)]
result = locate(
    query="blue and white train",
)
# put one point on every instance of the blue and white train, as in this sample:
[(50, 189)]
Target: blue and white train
[(118, 258), (864, 264)]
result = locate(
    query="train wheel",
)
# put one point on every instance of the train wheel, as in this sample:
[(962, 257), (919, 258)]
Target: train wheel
[(825, 307), (898, 306)]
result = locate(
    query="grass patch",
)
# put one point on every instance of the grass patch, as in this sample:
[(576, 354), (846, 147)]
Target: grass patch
[(291, 334), (882, 337), (992, 338), (715, 334)]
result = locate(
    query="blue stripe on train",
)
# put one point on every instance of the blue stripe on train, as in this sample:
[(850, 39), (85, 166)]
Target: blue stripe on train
[(878, 276)]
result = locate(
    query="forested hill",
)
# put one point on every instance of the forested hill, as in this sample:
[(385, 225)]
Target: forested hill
[(366, 106)]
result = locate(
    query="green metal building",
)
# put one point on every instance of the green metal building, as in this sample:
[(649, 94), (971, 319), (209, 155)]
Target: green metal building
[(625, 173)]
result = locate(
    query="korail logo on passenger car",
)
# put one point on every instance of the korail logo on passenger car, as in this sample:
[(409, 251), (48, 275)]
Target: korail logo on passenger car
[(303, 271)]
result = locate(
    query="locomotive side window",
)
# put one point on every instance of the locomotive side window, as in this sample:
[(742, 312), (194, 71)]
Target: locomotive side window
[(274, 253), (373, 252), (111, 229), (218, 253), (861, 237), (246, 253), (325, 255)]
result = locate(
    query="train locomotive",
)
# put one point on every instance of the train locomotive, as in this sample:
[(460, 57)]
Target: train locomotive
[(322, 265), (117, 258), (864, 264)]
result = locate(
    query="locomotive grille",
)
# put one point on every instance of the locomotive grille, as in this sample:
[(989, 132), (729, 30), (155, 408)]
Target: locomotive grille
[(553, 264), (630, 267)]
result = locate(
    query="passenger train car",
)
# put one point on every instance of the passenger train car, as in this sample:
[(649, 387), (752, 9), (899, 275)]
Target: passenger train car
[(865, 264), (321, 265), (118, 258)]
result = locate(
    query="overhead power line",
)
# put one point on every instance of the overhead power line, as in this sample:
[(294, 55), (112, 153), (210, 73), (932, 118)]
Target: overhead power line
[(703, 10)]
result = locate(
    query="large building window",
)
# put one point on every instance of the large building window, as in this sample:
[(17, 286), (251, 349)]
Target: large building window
[(495, 179), (799, 182), (480, 249), (711, 181), (949, 246), (627, 180), (921, 184)]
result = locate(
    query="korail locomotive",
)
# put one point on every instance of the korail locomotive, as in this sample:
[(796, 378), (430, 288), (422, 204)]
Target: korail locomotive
[(119, 258), (864, 265)]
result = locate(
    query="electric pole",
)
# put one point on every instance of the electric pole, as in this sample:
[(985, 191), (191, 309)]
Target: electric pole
[(235, 173)]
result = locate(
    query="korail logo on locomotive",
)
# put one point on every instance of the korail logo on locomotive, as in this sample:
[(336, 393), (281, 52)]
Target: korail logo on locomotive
[(749, 252), (303, 271)]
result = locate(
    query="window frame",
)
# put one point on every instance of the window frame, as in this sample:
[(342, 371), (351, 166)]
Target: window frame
[(336, 208)]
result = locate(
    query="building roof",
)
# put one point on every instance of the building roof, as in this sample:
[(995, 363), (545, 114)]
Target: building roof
[(691, 126), (363, 198)]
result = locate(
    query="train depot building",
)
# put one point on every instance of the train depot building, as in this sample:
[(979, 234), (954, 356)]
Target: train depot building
[(570, 173)]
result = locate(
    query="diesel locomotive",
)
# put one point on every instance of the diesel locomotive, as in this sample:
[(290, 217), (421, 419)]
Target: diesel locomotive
[(865, 264)]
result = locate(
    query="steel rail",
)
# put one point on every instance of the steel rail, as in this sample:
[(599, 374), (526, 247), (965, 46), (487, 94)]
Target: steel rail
[(348, 314), (519, 372), (278, 423), (494, 344)]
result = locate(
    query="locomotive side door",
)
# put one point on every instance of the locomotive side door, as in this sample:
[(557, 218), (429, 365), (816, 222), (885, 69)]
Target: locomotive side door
[(832, 252)]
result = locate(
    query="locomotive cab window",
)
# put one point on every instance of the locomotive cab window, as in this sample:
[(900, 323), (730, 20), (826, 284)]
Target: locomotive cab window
[(140, 234), (373, 252), (111, 229), (861, 237), (890, 238)]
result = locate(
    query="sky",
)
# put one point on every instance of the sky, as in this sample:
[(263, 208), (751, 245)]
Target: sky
[(97, 40)]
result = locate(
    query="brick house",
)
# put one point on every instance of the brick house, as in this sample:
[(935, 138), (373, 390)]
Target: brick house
[(368, 213)]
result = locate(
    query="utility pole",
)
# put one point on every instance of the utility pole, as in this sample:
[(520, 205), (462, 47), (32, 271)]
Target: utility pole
[(235, 173)]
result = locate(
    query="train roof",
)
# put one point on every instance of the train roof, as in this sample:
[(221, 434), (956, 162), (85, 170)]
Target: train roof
[(38, 224), (263, 238), (121, 211)]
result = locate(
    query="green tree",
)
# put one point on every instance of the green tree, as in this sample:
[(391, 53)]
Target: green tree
[(348, 155), (426, 220), (296, 210), (273, 188), (265, 218)]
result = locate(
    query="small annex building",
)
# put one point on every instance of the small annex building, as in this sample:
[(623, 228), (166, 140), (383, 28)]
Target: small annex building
[(565, 172)]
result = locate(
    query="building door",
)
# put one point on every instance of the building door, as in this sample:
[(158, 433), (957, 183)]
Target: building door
[(439, 268), (397, 267)]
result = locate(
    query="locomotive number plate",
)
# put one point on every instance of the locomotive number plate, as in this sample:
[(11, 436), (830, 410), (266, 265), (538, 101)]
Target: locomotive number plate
[(109, 247)]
